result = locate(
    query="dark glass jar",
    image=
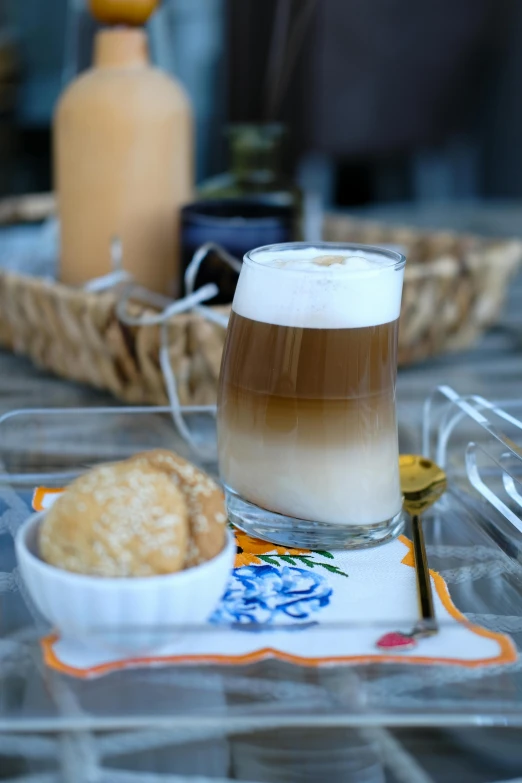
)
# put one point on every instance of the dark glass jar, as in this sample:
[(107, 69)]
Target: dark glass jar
[(237, 225)]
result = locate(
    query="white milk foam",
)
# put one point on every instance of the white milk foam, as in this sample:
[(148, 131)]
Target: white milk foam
[(293, 287)]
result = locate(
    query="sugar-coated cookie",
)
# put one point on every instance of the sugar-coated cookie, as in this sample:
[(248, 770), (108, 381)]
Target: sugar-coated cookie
[(125, 519), (205, 503)]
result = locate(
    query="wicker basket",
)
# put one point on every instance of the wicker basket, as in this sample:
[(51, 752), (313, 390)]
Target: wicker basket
[(454, 288)]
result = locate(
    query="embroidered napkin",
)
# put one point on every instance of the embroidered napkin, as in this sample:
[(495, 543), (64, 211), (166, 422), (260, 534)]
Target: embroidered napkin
[(308, 608)]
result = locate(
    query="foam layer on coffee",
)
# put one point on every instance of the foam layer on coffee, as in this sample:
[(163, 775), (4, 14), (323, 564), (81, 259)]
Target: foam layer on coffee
[(319, 288)]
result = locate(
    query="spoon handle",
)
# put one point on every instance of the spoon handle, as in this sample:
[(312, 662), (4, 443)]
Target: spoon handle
[(428, 624)]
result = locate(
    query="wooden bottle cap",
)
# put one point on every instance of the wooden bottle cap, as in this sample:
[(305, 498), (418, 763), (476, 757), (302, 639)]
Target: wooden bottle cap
[(127, 12)]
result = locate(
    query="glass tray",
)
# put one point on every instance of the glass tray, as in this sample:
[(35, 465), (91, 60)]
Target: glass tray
[(474, 538)]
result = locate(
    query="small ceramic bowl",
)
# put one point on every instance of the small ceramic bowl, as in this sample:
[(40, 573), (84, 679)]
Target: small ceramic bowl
[(122, 613)]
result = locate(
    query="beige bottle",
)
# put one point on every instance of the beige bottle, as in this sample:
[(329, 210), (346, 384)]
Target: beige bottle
[(123, 165)]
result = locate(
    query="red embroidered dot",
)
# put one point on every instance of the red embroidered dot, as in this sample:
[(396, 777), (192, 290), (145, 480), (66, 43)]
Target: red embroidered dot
[(396, 641)]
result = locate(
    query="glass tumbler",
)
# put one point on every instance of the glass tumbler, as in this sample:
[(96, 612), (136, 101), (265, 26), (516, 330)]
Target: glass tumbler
[(307, 428)]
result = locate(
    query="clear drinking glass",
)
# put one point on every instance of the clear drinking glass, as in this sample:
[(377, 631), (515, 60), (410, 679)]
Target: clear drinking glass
[(307, 430)]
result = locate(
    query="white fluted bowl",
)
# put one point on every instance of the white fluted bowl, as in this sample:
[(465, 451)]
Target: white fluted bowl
[(123, 613)]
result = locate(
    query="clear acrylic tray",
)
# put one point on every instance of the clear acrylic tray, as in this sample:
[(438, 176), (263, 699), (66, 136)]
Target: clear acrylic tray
[(474, 538)]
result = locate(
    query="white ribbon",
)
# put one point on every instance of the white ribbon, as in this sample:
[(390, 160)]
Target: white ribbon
[(114, 278), (193, 302)]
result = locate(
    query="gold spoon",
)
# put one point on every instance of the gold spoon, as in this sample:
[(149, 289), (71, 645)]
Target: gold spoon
[(422, 484)]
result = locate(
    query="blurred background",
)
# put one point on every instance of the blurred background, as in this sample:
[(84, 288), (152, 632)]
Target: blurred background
[(385, 101)]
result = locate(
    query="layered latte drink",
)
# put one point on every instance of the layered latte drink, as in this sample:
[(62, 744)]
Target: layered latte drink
[(307, 426)]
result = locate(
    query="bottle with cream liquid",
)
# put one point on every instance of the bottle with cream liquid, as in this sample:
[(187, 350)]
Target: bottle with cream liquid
[(123, 149)]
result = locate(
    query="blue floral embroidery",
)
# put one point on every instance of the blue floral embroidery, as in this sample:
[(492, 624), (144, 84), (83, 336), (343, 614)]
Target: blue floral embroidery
[(264, 594)]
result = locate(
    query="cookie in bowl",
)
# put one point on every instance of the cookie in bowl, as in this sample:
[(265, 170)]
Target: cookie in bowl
[(128, 552), (204, 498), (120, 520)]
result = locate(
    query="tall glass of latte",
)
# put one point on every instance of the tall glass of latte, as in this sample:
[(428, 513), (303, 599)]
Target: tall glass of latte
[(307, 427)]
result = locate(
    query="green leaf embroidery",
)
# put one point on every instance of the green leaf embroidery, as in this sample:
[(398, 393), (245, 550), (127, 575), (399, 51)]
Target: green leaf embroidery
[(333, 569), (267, 559), (306, 560)]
